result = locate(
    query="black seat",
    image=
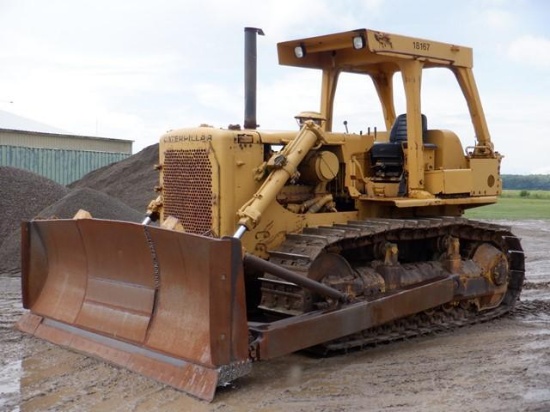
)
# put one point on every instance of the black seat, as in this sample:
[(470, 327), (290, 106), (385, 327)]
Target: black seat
[(398, 132), (387, 158)]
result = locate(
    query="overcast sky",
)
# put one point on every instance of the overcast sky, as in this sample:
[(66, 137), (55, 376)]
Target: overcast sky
[(134, 69)]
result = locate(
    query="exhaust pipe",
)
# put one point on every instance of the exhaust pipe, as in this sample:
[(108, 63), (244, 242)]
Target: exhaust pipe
[(250, 33)]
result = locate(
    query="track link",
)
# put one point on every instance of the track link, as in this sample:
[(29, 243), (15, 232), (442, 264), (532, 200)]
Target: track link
[(299, 251)]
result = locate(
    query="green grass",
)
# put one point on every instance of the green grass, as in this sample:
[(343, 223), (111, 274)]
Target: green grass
[(526, 194), (516, 205)]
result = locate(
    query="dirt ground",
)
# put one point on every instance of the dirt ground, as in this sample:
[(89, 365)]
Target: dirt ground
[(499, 366)]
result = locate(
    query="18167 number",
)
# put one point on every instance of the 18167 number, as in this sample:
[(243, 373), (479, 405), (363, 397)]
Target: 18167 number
[(419, 45)]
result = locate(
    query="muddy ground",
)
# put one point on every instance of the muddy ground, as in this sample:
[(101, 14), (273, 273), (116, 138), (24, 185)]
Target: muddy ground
[(499, 366)]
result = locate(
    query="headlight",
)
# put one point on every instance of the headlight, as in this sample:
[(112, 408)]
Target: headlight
[(300, 51), (358, 42)]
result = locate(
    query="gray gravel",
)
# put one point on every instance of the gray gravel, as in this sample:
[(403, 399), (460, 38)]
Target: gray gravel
[(99, 204), (120, 191), (23, 195), (132, 180)]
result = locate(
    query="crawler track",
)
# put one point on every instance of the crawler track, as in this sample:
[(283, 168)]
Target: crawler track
[(299, 251)]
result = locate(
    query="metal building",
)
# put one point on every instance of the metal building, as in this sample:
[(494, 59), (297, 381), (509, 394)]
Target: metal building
[(63, 158)]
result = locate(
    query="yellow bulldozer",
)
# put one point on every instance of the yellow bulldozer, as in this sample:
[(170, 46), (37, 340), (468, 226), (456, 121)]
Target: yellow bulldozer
[(271, 242)]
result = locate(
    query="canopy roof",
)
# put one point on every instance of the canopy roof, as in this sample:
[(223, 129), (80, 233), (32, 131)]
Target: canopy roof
[(379, 50)]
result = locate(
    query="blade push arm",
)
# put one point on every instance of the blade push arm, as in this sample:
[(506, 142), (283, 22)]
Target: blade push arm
[(284, 167)]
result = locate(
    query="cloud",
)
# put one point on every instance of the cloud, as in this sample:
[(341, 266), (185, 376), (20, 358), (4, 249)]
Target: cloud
[(280, 99), (515, 121), (134, 71), (499, 19), (533, 50)]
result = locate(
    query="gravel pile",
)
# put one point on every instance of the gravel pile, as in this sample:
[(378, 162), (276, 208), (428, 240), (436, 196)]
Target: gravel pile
[(131, 180), (120, 191), (23, 195), (100, 205)]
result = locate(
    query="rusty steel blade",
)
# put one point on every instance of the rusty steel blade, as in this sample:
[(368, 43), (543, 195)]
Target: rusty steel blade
[(165, 304)]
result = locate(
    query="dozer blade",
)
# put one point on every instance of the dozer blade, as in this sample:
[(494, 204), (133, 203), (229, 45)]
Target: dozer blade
[(162, 303)]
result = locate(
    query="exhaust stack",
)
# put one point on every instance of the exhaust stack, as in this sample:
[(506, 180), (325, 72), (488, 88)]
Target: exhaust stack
[(250, 33)]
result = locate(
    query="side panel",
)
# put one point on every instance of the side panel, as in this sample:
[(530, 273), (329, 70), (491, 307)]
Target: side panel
[(486, 177), (447, 182), (207, 174)]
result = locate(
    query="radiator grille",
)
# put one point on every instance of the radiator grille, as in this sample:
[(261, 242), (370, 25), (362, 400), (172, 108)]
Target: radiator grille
[(187, 189)]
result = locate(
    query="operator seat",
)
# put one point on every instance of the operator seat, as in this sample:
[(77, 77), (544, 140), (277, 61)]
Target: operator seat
[(398, 132), (387, 158)]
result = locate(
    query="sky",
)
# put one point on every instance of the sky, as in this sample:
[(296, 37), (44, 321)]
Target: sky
[(135, 69)]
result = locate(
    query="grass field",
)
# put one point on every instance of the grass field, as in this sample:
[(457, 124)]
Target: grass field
[(516, 205)]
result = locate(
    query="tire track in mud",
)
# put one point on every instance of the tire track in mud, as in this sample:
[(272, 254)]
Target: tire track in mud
[(419, 374), (532, 308), (536, 285), (494, 366), (11, 342), (403, 376)]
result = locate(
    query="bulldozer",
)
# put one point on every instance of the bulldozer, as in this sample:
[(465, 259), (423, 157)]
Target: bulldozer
[(263, 243)]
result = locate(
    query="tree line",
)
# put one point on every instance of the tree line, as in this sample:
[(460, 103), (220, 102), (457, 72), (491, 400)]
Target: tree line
[(526, 182)]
